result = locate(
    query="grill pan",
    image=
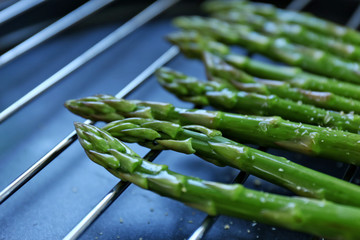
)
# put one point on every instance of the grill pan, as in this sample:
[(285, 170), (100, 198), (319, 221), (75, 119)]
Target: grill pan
[(71, 197)]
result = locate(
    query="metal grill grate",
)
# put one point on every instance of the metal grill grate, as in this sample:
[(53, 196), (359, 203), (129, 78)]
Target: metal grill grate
[(44, 88)]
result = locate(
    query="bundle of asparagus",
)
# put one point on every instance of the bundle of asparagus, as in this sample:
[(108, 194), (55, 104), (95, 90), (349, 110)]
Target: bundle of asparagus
[(294, 32), (321, 218), (311, 59), (156, 125), (304, 19), (263, 131), (216, 68), (191, 44), (224, 96), (211, 146)]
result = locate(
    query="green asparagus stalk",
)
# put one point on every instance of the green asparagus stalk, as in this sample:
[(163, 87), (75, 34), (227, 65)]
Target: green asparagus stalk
[(216, 67), (263, 131), (305, 19), (211, 146), (294, 32), (321, 218), (296, 77), (191, 44), (221, 96), (214, 6), (311, 59), (223, 6)]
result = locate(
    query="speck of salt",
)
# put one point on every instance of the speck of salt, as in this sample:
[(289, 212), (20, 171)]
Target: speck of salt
[(257, 182)]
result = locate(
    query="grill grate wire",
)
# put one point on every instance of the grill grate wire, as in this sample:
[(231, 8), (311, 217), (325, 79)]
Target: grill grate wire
[(101, 46), (139, 20), (136, 22), (17, 9), (241, 178), (53, 29)]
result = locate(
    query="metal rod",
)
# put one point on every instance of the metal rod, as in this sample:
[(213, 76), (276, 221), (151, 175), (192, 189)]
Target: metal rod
[(205, 226), (166, 57), (207, 223), (354, 20), (146, 15), (297, 5), (241, 177), (55, 28), (200, 232), (349, 173), (351, 169), (37, 167), (104, 203), (40, 164), (17, 9)]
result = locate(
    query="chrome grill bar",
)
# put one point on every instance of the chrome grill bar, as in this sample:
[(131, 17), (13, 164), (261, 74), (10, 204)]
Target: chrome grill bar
[(207, 223), (142, 77), (18, 8), (154, 9), (241, 178), (143, 17), (298, 5), (121, 186), (114, 193), (205, 226), (60, 25), (354, 20), (37, 167), (162, 60)]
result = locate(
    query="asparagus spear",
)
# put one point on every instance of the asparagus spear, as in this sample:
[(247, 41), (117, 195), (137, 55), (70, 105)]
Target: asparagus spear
[(222, 96), (216, 67), (294, 32), (321, 218), (305, 19), (216, 6), (191, 44), (310, 59), (211, 146), (263, 131), (296, 77)]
